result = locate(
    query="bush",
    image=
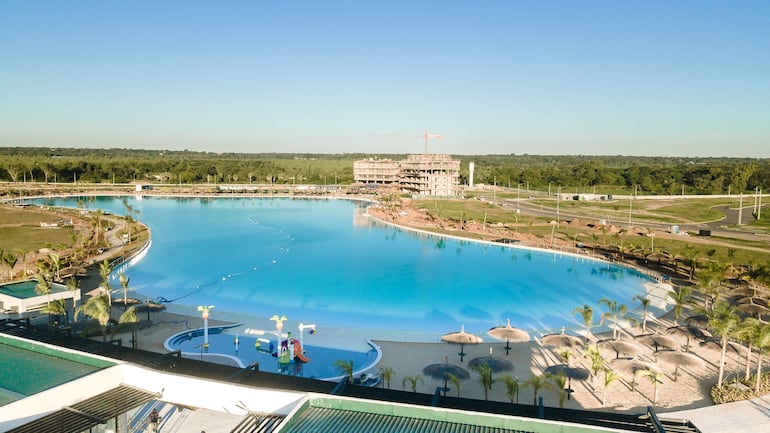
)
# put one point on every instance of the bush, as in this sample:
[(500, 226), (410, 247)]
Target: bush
[(738, 389)]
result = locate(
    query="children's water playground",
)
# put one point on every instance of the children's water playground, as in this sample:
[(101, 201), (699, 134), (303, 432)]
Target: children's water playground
[(294, 355)]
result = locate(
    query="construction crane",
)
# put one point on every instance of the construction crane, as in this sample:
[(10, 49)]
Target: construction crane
[(431, 136)]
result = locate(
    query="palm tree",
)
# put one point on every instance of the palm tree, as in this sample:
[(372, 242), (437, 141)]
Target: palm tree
[(97, 222), (455, 382), (387, 374), (346, 367), (124, 284), (762, 342), (130, 316), (723, 321), (597, 363), (485, 376), (655, 378), (104, 273), (43, 287), (129, 216), (97, 308), (412, 381), (73, 285), (692, 255), (681, 297), (756, 333), (760, 273), (587, 313), (55, 264), (609, 377), (20, 253), (566, 355), (560, 382), (512, 386), (709, 282), (645, 301), (10, 260), (615, 312), (747, 332), (55, 307), (537, 383)]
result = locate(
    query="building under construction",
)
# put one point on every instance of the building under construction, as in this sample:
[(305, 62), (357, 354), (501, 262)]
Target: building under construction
[(436, 175)]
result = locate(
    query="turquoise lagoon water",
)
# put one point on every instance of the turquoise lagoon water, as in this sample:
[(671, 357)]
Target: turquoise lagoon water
[(325, 262)]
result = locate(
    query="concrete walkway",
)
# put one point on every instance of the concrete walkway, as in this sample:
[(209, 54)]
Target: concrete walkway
[(738, 417)]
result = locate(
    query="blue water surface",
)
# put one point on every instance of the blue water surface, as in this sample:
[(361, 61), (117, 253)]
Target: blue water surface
[(325, 262), (229, 342)]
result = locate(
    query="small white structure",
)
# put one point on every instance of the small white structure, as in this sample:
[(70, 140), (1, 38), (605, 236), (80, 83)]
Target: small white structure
[(19, 297)]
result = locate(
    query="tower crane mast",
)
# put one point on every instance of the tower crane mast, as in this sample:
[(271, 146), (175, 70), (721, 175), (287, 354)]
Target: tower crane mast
[(431, 136)]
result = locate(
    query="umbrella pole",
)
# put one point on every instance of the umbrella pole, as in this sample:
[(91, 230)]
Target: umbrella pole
[(507, 346), (462, 352)]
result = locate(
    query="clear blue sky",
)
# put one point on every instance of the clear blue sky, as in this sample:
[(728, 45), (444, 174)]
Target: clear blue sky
[(680, 78)]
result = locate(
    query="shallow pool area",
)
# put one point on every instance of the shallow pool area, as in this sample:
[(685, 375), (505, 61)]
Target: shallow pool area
[(238, 347)]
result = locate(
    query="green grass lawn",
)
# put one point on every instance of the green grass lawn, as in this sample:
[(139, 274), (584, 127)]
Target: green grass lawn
[(33, 238), (698, 211), (764, 222), (676, 211), (23, 215), (30, 236)]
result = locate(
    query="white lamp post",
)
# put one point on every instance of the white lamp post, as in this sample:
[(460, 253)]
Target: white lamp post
[(302, 328), (205, 315)]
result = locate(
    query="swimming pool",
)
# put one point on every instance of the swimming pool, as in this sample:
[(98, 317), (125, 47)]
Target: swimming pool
[(26, 289), (28, 368), (20, 296), (325, 262), (232, 342)]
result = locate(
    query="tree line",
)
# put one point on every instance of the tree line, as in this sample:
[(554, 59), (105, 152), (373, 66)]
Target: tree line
[(648, 175)]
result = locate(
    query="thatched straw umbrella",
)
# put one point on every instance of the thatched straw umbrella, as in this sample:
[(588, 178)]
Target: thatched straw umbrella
[(509, 334), (577, 373), (494, 363), (462, 338), (682, 359), (562, 340), (632, 367), (621, 346), (688, 332), (444, 370), (658, 340)]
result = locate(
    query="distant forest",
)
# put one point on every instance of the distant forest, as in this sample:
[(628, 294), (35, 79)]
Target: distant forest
[(646, 175)]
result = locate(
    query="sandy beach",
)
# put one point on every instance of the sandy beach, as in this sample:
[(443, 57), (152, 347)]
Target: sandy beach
[(407, 360)]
